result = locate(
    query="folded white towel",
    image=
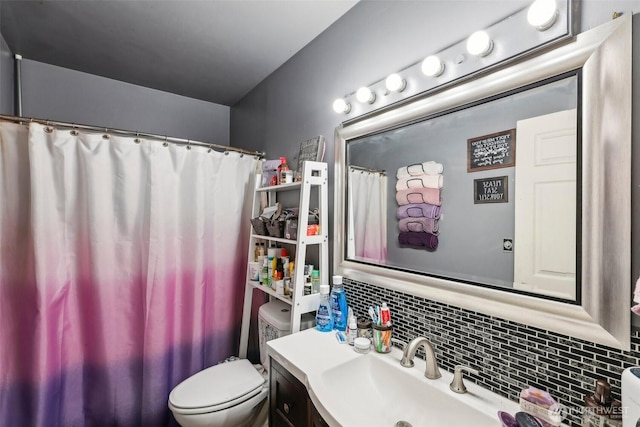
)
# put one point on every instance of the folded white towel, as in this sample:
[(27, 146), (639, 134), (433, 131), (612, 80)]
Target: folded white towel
[(426, 168), (636, 298), (420, 181)]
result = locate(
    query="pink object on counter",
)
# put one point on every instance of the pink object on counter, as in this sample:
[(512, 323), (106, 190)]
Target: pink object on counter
[(636, 298), (507, 419)]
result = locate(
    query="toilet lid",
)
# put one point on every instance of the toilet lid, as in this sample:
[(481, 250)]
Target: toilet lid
[(217, 385)]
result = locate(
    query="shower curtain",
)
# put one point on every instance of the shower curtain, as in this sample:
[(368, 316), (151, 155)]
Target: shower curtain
[(367, 205), (122, 264)]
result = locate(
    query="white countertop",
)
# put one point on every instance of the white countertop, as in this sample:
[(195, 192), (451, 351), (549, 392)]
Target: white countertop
[(310, 353)]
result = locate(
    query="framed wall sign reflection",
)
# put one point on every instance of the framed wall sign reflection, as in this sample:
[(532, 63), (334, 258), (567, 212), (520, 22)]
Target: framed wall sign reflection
[(497, 150), (491, 190)]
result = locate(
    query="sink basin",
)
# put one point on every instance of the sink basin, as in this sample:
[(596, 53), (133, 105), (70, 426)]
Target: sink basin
[(352, 390), (374, 390)]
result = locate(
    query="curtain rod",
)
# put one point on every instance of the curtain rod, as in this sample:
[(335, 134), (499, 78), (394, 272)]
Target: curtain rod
[(173, 140), (360, 168)]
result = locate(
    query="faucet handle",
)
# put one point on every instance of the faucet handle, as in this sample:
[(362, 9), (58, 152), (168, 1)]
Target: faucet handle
[(457, 385)]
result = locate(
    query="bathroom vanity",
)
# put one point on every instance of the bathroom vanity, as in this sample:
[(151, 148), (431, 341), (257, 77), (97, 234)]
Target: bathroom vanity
[(290, 403), (315, 381)]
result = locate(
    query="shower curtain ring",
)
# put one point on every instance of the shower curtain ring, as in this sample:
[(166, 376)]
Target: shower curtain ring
[(73, 132), (137, 139), (188, 144), (210, 148), (165, 143)]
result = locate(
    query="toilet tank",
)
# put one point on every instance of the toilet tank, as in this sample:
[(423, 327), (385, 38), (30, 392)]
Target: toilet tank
[(274, 321)]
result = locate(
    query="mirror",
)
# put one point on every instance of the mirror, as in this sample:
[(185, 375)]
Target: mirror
[(499, 240), (481, 202)]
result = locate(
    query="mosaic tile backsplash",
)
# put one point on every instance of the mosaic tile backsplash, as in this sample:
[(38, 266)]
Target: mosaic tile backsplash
[(510, 356)]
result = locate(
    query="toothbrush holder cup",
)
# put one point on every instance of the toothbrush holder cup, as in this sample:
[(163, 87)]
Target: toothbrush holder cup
[(382, 338)]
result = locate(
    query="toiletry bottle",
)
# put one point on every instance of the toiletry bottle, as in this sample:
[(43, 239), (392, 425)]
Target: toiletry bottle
[(282, 169), (271, 253), (266, 279), (315, 281), (352, 329), (600, 409), (385, 315), (339, 304), (256, 252), (324, 318)]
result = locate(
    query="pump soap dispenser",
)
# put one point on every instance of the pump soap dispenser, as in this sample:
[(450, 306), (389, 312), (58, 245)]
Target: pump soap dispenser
[(600, 409)]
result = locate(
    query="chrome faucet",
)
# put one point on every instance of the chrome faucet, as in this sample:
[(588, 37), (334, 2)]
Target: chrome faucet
[(457, 385), (431, 370)]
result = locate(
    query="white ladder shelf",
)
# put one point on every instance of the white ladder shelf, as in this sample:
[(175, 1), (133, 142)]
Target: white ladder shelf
[(314, 174)]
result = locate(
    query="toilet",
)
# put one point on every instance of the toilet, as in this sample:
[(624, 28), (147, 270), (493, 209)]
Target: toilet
[(234, 393)]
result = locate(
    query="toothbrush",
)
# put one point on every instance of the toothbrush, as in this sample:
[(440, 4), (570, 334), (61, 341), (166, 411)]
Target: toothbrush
[(372, 314)]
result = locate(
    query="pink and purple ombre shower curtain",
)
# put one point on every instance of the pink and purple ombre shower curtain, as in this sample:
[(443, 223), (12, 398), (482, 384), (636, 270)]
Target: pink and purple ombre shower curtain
[(122, 266), (367, 209)]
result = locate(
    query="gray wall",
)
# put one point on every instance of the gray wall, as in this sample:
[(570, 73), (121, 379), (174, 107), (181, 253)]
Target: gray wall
[(56, 93), (6, 78), (370, 41)]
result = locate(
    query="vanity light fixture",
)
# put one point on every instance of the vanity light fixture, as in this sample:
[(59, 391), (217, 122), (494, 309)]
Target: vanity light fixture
[(542, 14), (365, 95), (395, 83), (453, 63), (479, 44), (341, 106), (432, 66)]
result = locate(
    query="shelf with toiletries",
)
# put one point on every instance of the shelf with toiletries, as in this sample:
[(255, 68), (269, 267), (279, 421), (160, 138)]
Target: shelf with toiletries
[(307, 240), (285, 243), (281, 187), (305, 302)]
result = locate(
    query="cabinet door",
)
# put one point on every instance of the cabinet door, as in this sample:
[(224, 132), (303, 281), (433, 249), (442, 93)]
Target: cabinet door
[(288, 399), (316, 418)]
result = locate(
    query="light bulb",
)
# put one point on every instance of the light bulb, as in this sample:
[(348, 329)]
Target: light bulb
[(365, 95), (542, 14), (395, 83), (340, 106), (479, 44), (432, 66)]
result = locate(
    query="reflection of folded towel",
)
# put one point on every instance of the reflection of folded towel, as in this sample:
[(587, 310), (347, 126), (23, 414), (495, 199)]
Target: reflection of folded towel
[(420, 181), (419, 195), (426, 240), (419, 225), (418, 210), (427, 168), (636, 298)]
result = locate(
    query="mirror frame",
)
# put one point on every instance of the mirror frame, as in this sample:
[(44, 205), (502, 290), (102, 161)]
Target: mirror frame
[(603, 315)]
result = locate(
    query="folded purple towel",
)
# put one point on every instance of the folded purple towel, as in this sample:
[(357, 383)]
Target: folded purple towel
[(419, 225), (426, 240), (416, 210), (419, 195), (420, 181)]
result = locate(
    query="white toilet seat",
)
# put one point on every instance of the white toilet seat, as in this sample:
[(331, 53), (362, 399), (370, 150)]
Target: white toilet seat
[(217, 388)]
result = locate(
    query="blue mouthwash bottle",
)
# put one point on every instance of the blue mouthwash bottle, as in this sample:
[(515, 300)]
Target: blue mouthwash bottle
[(339, 305), (324, 317)]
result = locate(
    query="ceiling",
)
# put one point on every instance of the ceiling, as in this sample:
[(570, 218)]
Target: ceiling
[(213, 50)]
